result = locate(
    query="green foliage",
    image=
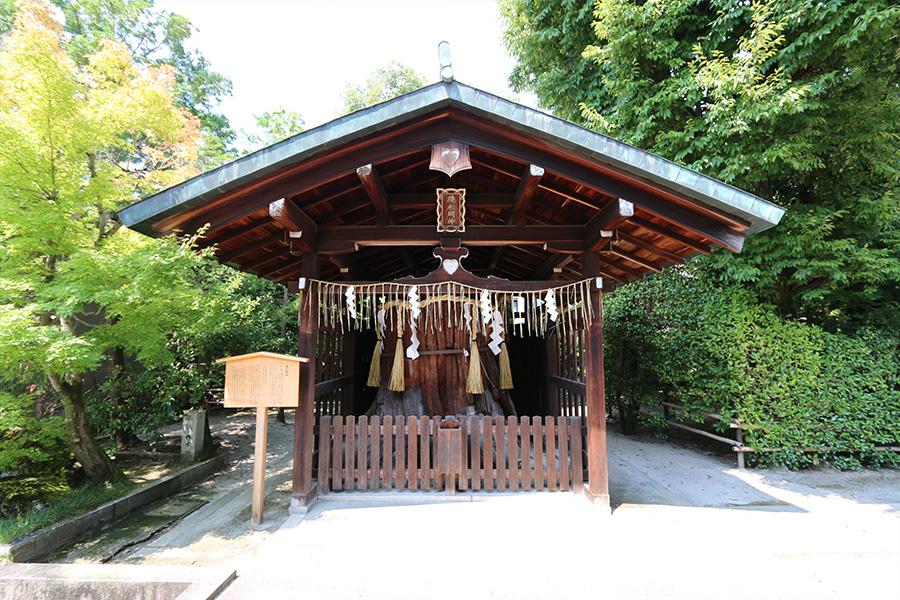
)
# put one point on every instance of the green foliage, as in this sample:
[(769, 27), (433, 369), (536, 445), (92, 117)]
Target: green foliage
[(385, 83), (30, 445), (66, 504), (154, 37), (77, 142), (240, 314), (274, 126), (794, 100), (548, 40), (795, 385)]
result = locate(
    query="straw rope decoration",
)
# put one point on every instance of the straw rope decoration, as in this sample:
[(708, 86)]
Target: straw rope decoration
[(384, 306)]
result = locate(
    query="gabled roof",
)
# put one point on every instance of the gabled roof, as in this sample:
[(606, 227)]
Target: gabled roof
[(658, 211)]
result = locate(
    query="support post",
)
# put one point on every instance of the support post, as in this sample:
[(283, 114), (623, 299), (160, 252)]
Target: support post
[(598, 472), (259, 464), (302, 493)]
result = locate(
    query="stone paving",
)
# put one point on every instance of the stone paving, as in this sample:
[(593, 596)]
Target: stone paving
[(685, 524)]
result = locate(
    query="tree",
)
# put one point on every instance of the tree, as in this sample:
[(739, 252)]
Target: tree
[(76, 143), (383, 84), (548, 41), (274, 126), (154, 37), (794, 100)]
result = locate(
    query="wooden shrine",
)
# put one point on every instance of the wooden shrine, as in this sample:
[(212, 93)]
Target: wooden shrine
[(451, 249)]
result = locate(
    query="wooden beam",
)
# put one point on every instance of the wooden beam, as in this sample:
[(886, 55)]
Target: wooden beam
[(668, 233), (383, 214), (341, 210), (304, 175), (206, 242), (644, 262), (714, 224), (619, 266), (527, 187), (292, 264), (641, 243), (551, 263), (565, 247), (607, 275), (288, 215), (427, 235), (372, 184), (355, 271), (264, 259), (566, 214), (429, 201), (244, 250), (615, 213)]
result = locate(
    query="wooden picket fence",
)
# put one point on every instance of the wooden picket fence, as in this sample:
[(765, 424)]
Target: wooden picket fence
[(495, 453)]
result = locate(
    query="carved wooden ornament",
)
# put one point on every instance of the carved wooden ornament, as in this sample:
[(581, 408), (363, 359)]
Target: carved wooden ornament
[(450, 157), (451, 210)]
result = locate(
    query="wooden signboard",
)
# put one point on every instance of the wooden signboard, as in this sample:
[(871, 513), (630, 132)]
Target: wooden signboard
[(261, 380)]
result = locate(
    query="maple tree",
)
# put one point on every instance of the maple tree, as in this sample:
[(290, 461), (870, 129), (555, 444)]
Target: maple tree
[(77, 142)]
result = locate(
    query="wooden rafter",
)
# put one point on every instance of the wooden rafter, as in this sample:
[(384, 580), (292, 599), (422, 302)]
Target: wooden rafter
[(611, 216), (668, 233), (383, 214), (642, 243), (303, 230), (524, 193)]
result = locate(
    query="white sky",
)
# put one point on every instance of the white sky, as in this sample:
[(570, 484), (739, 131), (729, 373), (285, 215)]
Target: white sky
[(301, 54)]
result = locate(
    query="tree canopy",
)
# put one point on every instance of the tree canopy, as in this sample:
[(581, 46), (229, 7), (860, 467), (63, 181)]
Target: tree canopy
[(77, 142), (796, 101), (383, 84), (274, 126)]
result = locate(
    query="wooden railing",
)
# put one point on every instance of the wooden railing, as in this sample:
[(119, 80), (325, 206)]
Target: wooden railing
[(739, 426), (482, 454)]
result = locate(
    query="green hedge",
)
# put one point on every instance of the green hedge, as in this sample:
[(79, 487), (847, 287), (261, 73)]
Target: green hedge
[(795, 385)]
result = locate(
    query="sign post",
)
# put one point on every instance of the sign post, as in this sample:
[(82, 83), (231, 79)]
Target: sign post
[(261, 380)]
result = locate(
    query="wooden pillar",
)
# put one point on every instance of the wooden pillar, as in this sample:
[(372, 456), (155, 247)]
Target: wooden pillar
[(302, 494), (598, 472)]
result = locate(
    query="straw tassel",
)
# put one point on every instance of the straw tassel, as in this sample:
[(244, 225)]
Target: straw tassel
[(474, 385), (398, 381), (506, 382), (375, 367)]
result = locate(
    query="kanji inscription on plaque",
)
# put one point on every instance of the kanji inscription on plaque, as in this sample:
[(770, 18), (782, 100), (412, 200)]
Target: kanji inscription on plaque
[(451, 210), (262, 379)]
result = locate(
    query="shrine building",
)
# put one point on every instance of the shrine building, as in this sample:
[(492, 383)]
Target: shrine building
[(452, 249)]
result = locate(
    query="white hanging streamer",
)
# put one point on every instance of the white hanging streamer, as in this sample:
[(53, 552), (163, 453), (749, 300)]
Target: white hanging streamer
[(550, 300), (350, 295), (380, 319), (496, 333), (413, 297), (467, 317), (412, 352), (486, 312)]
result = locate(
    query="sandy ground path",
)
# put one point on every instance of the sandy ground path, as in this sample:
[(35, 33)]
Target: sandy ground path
[(685, 524)]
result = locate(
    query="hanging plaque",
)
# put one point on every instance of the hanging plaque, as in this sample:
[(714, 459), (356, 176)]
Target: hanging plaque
[(451, 210), (450, 157)]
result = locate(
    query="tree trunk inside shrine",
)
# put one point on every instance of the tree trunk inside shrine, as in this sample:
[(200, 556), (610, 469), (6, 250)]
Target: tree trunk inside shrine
[(436, 380)]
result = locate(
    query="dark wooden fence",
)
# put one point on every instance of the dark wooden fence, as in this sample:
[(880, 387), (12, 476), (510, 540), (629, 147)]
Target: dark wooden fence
[(492, 453)]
